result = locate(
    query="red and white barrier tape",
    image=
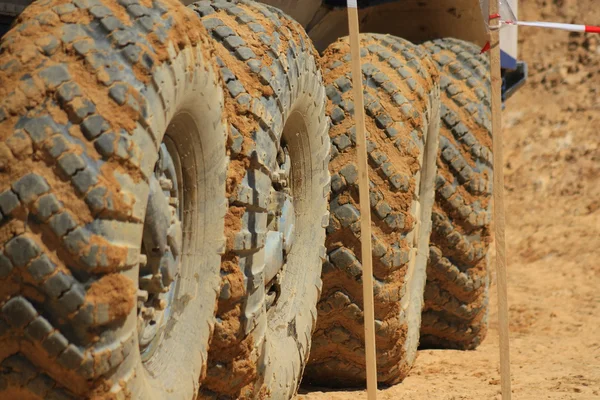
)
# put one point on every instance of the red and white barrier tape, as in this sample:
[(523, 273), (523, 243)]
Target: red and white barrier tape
[(547, 25), (556, 25)]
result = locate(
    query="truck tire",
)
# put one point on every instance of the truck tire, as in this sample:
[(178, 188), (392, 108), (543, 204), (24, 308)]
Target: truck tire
[(456, 295), (402, 103), (112, 201), (279, 153)]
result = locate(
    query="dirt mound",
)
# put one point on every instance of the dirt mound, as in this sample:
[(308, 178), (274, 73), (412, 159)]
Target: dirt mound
[(552, 165)]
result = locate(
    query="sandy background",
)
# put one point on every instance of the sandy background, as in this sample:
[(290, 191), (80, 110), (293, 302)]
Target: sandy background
[(552, 167)]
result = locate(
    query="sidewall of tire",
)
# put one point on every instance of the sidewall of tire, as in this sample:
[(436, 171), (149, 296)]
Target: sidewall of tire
[(426, 200), (291, 321), (174, 370), (276, 99)]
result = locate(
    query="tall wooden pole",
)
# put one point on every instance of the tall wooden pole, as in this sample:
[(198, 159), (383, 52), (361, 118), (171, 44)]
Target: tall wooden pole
[(499, 217), (365, 206)]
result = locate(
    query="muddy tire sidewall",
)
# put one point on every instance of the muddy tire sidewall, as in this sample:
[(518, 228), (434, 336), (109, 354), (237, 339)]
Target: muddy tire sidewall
[(197, 134), (291, 320)]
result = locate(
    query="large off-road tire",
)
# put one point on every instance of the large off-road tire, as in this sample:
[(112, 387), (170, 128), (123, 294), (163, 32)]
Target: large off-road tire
[(402, 104), (91, 92), (456, 295), (279, 152)]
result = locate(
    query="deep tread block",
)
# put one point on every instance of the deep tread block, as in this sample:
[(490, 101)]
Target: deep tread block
[(55, 344), (111, 24), (84, 180), (54, 75), (57, 284), (62, 223), (245, 53), (41, 267), (76, 240), (21, 250), (18, 312), (342, 142), (71, 358), (350, 173), (5, 266), (93, 126), (47, 205), (38, 128), (71, 300), (8, 202), (95, 198), (346, 214), (118, 93), (105, 144), (71, 163), (80, 108), (82, 47), (57, 145), (337, 115), (30, 187), (39, 329)]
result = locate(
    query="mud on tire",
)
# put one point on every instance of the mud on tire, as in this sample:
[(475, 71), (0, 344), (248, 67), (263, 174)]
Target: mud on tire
[(88, 91), (456, 295), (279, 150), (402, 104)]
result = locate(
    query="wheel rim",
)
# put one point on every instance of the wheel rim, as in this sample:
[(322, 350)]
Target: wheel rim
[(289, 226), (161, 247), (281, 226)]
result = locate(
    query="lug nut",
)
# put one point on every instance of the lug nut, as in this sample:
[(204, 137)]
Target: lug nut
[(148, 312), (160, 304), (166, 184), (142, 295)]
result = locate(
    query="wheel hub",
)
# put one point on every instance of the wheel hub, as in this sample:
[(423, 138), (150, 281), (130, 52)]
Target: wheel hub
[(281, 226), (161, 249)]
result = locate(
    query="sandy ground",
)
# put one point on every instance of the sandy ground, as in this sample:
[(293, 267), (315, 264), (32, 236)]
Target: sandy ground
[(552, 167)]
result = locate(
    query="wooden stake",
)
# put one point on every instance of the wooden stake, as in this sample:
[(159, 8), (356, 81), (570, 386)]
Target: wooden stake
[(365, 206), (499, 218)]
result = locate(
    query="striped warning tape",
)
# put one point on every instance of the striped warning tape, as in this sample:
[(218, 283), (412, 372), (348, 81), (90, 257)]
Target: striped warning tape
[(556, 25)]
